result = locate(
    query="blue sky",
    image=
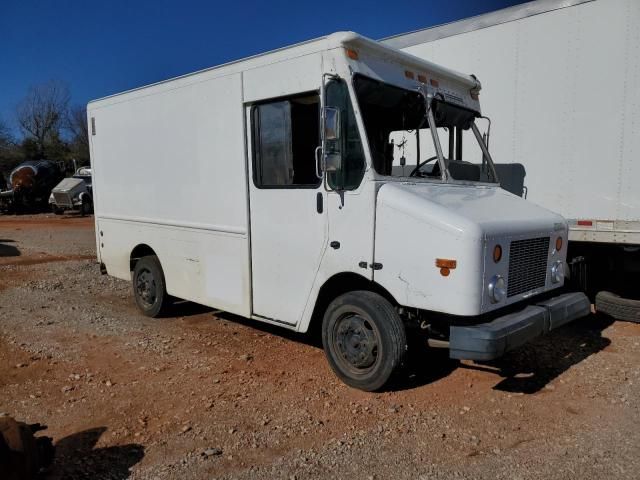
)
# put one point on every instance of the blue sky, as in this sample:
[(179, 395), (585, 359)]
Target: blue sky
[(103, 47)]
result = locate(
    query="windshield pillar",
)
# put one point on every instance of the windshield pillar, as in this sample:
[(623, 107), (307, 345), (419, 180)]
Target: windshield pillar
[(485, 151), (437, 145)]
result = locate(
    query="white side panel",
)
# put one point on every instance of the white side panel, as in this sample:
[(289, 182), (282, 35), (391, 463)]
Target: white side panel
[(177, 156), (562, 91), (169, 172), (299, 75)]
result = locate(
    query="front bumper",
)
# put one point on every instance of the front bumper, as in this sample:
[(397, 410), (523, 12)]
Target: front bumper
[(487, 341)]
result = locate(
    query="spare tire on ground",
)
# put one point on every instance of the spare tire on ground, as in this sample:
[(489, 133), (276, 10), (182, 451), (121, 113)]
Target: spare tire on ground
[(618, 307)]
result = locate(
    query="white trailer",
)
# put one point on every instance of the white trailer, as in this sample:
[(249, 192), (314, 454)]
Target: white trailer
[(563, 93), (273, 188)]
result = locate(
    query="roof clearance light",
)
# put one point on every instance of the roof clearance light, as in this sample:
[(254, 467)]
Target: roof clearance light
[(352, 54), (422, 78), (409, 74), (434, 83)]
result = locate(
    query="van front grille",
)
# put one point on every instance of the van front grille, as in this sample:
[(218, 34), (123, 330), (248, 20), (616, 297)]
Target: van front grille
[(62, 199), (527, 265)]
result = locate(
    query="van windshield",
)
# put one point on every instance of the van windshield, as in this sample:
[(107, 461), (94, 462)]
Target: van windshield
[(402, 144)]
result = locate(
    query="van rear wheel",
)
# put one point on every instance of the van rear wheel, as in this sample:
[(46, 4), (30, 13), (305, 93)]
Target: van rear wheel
[(149, 288), (364, 339)]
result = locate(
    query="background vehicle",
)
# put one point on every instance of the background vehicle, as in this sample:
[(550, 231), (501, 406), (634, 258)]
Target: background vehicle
[(295, 208), (562, 87), (73, 193), (30, 184)]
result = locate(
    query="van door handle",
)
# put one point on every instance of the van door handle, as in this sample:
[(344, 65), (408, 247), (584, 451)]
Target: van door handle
[(317, 160), (319, 202), (335, 245)]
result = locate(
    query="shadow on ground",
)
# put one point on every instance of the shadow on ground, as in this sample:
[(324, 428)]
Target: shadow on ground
[(77, 458), (530, 368), (525, 370), (8, 250)]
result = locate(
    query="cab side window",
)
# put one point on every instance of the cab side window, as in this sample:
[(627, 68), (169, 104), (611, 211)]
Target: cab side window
[(285, 134)]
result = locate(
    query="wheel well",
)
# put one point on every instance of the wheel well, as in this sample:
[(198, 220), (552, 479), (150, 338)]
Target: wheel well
[(137, 253), (337, 285)]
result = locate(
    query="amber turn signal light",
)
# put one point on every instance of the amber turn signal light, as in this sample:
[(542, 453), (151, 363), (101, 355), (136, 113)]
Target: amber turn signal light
[(559, 244), (352, 54), (445, 263), (497, 253)]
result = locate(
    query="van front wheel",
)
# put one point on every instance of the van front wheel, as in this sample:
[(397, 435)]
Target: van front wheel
[(364, 339), (149, 288)]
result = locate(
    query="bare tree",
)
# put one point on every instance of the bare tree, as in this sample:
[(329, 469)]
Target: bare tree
[(79, 130), (6, 138), (43, 112), (10, 154)]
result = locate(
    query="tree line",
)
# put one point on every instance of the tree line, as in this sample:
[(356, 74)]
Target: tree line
[(49, 128)]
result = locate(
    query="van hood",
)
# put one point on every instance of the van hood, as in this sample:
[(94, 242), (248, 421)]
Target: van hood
[(484, 210)]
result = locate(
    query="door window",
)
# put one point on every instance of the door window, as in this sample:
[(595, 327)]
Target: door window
[(286, 133), (349, 144)]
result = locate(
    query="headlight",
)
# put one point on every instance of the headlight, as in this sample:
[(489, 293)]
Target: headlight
[(557, 272), (51, 198), (496, 289)]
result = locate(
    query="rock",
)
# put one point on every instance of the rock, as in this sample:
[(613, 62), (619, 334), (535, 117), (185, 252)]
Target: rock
[(185, 429), (108, 383), (21, 365), (246, 357), (212, 452), (66, 389)]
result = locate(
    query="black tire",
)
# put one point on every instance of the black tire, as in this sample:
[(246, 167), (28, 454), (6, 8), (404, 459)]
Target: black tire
[(56, 210), (364, 339), (618, 307), (86, 207), (149, 288)]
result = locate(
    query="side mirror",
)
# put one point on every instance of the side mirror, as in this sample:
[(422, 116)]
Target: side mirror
[(332, 125), (333, 161)]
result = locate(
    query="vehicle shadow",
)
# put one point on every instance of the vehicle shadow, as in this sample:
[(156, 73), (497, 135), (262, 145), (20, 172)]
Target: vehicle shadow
[(525, 370), (76, 458), (530, 368), (8, 250), (423, 366)]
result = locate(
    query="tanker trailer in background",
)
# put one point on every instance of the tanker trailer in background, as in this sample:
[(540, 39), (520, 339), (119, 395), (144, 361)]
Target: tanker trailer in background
[(30, 185)]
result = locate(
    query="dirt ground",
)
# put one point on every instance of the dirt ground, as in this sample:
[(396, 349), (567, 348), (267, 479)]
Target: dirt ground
[(203, 394)]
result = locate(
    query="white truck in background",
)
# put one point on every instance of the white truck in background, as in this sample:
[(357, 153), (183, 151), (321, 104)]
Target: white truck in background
[(563, 91), (293, 206)]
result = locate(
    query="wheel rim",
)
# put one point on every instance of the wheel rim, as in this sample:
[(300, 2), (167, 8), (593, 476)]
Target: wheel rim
[(356, 342), (146, 287)]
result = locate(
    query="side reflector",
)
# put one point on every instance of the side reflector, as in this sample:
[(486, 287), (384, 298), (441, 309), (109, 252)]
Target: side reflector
[(446, 263), (475, 95), (497, 253), (434, 83), (409, 74), (585, 223), (352, 54), (445, 272), (559, 244)]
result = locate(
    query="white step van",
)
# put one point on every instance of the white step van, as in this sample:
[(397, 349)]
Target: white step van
[(326, 184)]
